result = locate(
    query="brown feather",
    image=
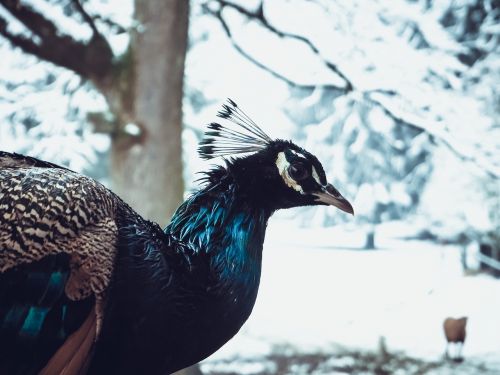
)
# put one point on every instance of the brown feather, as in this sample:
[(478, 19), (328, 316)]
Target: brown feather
[(48, 210), (74, 355)]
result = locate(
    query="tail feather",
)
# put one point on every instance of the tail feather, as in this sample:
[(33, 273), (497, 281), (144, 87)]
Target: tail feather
[(36, 317), (73, 356)]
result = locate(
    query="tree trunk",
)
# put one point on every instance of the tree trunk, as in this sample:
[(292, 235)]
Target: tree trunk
[(146, 154), (370, 239)]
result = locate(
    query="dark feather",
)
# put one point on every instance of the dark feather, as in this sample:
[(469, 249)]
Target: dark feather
[(35, 315)]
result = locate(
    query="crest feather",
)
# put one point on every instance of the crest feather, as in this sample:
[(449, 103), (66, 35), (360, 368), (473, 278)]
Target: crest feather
[(240, 135)]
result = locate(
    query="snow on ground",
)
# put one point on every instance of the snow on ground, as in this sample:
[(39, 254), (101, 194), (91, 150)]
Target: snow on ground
[(318, 290)]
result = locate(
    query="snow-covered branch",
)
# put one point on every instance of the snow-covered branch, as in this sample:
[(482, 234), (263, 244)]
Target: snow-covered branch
[(91, 60), (438, 134), (27, 45)]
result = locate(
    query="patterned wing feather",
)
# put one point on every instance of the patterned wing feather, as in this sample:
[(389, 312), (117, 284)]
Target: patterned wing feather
[(57, 247)]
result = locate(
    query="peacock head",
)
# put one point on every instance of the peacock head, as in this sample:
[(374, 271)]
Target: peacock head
[(274, 173)]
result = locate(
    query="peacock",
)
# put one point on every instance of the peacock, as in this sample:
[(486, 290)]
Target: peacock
[(88, 286)]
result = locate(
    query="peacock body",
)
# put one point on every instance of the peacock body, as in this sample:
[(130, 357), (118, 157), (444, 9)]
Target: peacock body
[(87, 286)]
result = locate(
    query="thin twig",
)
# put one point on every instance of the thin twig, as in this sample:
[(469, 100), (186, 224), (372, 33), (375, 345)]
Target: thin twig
[(259, 16), (86, 16), (115, 27)]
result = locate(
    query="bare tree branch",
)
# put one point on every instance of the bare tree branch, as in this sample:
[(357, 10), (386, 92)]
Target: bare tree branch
[(92, 60), (25, 44), (114, 27), (39, 50), (259, 17), (34, 21), (86, 16), (218, 15)]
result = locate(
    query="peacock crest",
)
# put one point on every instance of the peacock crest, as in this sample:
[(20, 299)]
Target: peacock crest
[(239, 135)]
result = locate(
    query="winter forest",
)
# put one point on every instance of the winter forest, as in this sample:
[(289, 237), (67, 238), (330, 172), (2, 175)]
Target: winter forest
[(399, 100)]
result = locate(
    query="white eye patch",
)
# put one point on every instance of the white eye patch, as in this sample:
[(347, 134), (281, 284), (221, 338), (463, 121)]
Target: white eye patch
[(316, 176), (282, 164), (297, 154)]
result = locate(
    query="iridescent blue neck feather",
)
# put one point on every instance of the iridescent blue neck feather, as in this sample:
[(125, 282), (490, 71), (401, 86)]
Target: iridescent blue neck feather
[(217, 221)]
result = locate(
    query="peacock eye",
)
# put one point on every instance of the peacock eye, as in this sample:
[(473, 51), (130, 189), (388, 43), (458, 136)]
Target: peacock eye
[(298, 171)]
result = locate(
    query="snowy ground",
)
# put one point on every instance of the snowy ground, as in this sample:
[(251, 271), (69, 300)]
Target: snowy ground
[(319, 292)]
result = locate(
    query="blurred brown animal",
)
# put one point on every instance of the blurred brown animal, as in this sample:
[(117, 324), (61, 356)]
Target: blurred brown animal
[(454, 330)]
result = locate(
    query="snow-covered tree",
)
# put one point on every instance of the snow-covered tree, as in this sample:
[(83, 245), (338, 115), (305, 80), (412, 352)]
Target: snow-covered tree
[(376, 87)]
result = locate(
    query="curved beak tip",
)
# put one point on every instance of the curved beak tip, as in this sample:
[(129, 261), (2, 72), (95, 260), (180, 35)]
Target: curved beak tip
[(332, 197), (350, 209), (345, 206)]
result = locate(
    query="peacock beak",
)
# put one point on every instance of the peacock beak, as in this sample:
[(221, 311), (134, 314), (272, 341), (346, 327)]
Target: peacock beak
[(329, 195)]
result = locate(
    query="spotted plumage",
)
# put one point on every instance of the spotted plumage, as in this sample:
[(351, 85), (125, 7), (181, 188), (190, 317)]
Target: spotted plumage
[(90, 287)]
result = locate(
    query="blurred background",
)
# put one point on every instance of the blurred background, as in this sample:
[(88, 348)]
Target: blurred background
[(398, 99)]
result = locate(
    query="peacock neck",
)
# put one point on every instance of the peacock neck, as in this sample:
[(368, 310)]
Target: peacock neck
[(217, 222)]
